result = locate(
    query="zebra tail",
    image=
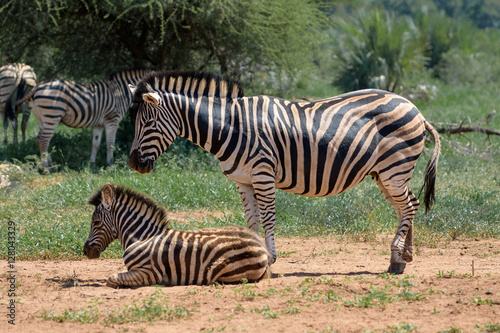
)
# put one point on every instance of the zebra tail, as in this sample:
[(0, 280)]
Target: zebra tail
[(431, 170), (27, 97)]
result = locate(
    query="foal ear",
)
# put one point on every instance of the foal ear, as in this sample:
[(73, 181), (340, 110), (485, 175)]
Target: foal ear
[(152, 98), (107, 195), (132, 88)]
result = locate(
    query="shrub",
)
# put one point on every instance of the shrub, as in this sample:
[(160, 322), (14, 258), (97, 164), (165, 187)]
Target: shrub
[(377, 50)]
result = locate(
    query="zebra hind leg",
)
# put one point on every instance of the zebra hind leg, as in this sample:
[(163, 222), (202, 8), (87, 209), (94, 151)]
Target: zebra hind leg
[(24, 123), (405, 205), (14, 127), (408, 247), (5, 126)]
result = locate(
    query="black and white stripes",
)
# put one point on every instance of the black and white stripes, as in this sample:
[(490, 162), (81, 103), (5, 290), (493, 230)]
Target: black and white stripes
[(100, 105), (156, 254), (318, 148), (16, 80)]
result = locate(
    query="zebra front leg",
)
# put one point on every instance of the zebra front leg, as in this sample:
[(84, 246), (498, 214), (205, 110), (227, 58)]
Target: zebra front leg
[(110, 141), (131, 279), (265, 193), (47, 126), (96, 142), (250, 205)]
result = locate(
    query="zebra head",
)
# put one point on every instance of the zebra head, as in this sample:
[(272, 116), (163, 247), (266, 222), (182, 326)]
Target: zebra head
[(102, 230), (155, 128)]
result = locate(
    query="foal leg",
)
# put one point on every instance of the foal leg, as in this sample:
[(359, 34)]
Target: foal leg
[(133, 278)]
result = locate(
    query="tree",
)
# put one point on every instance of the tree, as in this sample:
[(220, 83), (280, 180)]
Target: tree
[(86, 38)]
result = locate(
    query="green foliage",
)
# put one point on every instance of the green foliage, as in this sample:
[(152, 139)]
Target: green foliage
[(402, 328), (472, 59), (375, 297), (377, 49), (87, 39), (438, 34), (488, 328), (484, 13), (153, 308), (266, 312)]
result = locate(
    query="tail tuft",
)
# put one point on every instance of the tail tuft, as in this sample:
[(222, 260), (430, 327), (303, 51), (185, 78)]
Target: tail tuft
[(431, 170)]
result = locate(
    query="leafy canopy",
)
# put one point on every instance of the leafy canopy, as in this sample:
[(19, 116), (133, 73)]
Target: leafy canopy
[(87, 38)]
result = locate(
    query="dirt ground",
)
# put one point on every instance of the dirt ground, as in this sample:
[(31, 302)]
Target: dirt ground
[(318, 285)]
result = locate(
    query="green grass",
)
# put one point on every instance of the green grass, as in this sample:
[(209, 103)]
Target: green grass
[(53, 220), (153, 308)]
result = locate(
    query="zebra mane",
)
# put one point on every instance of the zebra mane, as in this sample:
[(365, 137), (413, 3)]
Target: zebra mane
[(190, 83), (124, 72), (121, 191)]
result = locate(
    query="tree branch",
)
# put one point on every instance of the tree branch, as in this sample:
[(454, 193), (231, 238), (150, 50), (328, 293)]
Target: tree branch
[(460, 129)]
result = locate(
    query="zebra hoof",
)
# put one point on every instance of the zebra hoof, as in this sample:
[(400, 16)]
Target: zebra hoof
[(112, 282), (396, 268)]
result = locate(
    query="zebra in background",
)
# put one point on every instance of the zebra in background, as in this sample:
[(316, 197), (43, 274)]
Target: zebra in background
[(100, 105), (15, 81), (156, 254), (319, 148)]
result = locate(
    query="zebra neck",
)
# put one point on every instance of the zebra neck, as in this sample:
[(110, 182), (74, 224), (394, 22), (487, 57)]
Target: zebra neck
[(209, 122), (122, 97), (138, 226)]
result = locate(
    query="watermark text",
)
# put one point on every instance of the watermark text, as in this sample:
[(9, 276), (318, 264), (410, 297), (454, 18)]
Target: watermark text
[(11, 272)]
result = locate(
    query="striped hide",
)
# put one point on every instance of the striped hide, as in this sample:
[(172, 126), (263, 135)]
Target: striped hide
[(318, 148), (100, 105), (156, 254), (16, 80)]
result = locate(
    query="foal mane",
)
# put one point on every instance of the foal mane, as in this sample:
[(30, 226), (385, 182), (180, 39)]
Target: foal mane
[(121, 192)]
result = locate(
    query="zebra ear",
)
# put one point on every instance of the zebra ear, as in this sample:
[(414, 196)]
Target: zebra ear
[(107, 195), (132, 88), (152, 98)]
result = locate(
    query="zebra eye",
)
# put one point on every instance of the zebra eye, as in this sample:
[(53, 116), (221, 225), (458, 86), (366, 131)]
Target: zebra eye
[(96, 223), (150, 122)]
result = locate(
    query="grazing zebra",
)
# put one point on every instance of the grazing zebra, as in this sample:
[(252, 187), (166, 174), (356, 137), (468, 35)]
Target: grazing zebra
[(100, 105), (318, 148), (15, 81), (156, 254)]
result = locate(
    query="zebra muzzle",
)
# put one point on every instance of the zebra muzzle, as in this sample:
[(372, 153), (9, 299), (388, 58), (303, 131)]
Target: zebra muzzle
[(139, 163), (90, 251)]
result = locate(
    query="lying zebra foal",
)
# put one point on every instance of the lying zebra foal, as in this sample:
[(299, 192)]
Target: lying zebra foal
[(156, 254)]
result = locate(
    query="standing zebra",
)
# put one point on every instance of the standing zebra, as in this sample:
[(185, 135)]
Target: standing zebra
[(100, 105), (263, 143), (156, 254), (15, 81)]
